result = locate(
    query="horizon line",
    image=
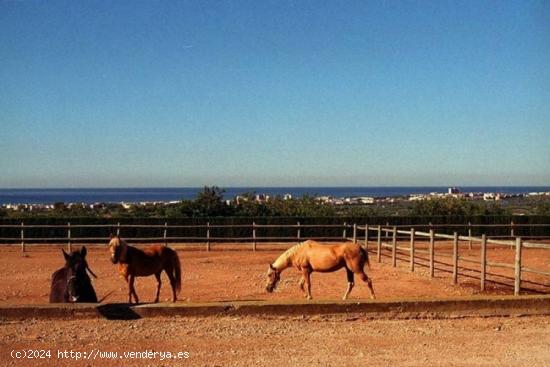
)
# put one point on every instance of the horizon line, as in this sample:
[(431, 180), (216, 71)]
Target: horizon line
[(254, 186)]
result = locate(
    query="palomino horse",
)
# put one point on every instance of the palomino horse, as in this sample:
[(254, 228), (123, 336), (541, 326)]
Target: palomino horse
[(310, 256), (134, 262), (71, 283)]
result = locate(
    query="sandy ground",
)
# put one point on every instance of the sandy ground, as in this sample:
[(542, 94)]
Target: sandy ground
[(226, 274), (310, 341)]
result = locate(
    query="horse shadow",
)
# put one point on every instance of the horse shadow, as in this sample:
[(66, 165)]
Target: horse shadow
[(118, 311)]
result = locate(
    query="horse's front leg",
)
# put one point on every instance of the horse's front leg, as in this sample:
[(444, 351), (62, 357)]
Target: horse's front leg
[(132, 290), (129, 289), (301, 283), (157, 275), (124, 273), (306, 275)]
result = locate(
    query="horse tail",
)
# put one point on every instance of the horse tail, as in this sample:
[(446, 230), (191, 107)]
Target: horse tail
[(365, 254), (177, 270)]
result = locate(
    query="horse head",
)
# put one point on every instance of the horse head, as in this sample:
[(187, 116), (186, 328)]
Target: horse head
[(117, 248), (77, 279), (273, 277)]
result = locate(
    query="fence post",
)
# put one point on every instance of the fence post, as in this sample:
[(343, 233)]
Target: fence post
[(254, 236), (299, 232), (207, 236), (432, 267), (470, 235), (394, 247), (455, 257), (69, 246), (411, 257), (165, 234), (517, 272), (483, 263), (512, 232), (23, 238), (118, 229), (354, 232), (344, 232), (366, 236), (379, 244)]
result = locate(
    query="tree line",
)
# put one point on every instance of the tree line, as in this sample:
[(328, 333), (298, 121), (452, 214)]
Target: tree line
[(210, 202)]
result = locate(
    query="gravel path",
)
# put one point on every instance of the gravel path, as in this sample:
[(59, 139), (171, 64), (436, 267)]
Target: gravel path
[(306, 341)]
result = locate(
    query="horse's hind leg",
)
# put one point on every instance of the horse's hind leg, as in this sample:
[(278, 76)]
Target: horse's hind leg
[(159, 283), (366, 279), (349, 274), (172, 278)]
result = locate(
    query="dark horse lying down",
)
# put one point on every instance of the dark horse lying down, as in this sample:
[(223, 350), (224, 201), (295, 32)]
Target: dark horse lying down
[(71, 283)]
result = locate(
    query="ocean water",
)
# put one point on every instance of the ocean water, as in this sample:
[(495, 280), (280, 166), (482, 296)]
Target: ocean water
[(115, 195)]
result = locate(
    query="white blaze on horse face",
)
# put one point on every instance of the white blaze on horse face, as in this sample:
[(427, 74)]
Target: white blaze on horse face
[(113, 244)]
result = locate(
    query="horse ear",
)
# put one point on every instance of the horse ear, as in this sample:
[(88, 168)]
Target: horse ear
[(65, 255), (111, 236), (83, 251)]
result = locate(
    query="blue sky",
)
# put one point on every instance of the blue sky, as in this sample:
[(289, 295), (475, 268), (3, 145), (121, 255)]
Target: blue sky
[(274, 93)]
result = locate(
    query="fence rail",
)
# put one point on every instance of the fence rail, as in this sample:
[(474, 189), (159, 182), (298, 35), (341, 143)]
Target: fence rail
[(387, 230), (207, 238), (518, 243)]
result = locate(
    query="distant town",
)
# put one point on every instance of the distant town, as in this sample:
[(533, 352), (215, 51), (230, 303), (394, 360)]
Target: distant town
[(452, 192)]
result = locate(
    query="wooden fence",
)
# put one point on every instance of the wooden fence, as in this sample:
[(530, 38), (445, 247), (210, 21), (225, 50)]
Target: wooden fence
[(164, 230), (390, 234), (348, 231), (385, 237)]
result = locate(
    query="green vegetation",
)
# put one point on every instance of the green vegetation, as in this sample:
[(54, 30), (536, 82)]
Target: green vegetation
[(455, 207), (210, 207), (210, 203), (543, 208)]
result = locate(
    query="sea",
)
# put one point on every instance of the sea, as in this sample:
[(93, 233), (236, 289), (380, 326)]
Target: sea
[(164, 194)]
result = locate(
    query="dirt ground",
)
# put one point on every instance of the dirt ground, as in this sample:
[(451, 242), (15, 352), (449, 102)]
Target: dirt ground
[(294, 341), (228, 274)]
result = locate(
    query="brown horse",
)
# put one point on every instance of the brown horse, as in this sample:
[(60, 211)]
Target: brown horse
[(134, 262), (310, 256)]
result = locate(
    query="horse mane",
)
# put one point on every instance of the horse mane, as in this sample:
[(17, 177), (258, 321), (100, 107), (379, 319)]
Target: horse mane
[(121, 241), (124, 248), (285, 256)]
